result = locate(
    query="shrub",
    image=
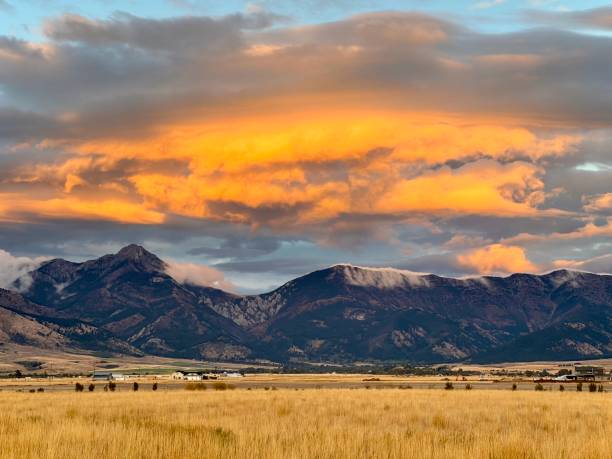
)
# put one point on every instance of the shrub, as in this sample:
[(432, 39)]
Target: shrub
[(448, 385), (32, 391), (195, 386), (219, 385), (514, 386), (539, 387), (112, 386), (579, 387), (91, 387), (154, 387), (78, 387), (561, 388), (600, 388), (135, 386), (592, 387), (468, 386), (40, 389)]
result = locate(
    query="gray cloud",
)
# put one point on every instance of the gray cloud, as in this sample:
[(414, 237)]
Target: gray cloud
[(600, 264), (13, 268), (122, 78), (176, 34), (596, 18), (125, 77), (239, 248)]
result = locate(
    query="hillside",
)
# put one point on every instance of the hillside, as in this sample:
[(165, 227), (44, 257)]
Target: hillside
[(342, 313)]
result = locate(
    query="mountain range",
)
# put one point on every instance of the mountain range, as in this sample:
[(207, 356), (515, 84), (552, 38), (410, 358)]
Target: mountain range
[(127, 303)]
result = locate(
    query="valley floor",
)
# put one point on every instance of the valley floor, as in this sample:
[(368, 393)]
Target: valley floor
[(312, 423)]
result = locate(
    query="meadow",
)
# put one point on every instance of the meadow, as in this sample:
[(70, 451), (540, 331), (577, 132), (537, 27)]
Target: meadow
[(312, 423)]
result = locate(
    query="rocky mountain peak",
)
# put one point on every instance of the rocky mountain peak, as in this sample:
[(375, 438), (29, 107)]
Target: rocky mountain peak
[(139, 256)]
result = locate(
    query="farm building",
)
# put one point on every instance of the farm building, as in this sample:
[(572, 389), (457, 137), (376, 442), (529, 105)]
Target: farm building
[(193, 377), (101, 376), (232, 375), (107, 376), (178, 375), (589, 372)]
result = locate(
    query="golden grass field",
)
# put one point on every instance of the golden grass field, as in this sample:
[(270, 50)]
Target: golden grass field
[(312, 423)]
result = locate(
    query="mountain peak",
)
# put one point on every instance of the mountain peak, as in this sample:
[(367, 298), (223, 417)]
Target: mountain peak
[(141, 256), (133, 251)]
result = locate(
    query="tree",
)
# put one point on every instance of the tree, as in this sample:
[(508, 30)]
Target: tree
[(135, 386), (78, 387), (154, 386), (592, 387)]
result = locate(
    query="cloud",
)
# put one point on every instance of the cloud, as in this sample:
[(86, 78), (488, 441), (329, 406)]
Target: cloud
[(6, 6), (592, 229), (595, 18), (382, 133), (484, 187), (175, 34), (601, 203), (488, 4), (205, 276), (13, 268), (601, 264), (19, 207), (497, 259)]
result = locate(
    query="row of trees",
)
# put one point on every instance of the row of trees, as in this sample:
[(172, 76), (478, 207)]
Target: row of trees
[(111, 386)]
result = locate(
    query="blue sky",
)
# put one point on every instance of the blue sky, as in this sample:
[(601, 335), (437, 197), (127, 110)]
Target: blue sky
[(23, 18)]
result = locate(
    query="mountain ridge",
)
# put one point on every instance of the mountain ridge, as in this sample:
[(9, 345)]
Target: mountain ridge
[(340, 313)]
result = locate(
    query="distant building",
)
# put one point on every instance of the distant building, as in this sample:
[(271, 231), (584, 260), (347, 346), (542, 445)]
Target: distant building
[(178, 375), (101, 376), (588, 372), (193, 377), (107, 376), (232, 375)]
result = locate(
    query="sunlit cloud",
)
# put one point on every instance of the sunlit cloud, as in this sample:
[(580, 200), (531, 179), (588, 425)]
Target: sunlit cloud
[(377, 129), (497, 259)]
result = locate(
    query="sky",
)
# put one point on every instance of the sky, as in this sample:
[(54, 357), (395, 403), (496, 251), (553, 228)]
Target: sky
[(248, 143)]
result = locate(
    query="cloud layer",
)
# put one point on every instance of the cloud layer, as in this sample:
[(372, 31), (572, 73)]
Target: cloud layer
[(397, 129), (13, 268)]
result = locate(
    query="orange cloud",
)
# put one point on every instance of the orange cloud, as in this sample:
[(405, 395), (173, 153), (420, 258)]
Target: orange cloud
[(15, 207), (309, 166), (589, 230), (602, 202), (484, 187), (326, 135), (497, 258)]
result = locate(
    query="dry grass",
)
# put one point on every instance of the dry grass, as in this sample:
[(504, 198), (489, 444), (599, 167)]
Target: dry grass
[(327, 423)]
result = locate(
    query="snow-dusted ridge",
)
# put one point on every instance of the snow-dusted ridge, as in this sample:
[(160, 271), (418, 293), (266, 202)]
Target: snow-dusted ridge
[(381, 277), (387, 277)]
